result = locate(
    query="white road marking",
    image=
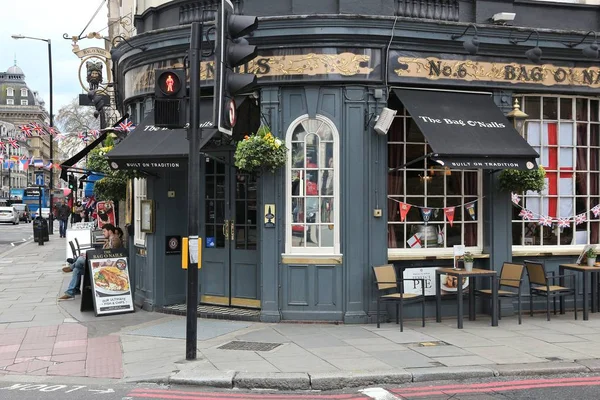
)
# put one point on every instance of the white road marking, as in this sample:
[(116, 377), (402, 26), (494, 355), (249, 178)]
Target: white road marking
[(102, 391), (378, 394), (53, 388)]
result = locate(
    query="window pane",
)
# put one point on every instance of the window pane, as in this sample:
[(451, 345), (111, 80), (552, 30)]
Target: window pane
[(297, 155), (594, 111), (566, 108), (581, 109), (532, 107), (549, 108), (297, 210)]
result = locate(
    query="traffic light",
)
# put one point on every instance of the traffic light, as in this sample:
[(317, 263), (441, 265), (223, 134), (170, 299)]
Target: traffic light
[(98, 100), (72, 182), (169, 98), (231, 51)]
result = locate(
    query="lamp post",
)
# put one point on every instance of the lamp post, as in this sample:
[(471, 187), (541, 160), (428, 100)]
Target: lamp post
[(517, 117), (51, 215)]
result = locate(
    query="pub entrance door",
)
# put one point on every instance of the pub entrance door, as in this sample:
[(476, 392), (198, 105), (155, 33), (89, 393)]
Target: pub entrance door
[(230, 274)]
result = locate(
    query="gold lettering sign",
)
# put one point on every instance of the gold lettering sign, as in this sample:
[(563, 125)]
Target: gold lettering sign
[(547, 74)]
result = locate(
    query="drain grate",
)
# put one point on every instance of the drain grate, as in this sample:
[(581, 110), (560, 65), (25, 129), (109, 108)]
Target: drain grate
[(249, 346)]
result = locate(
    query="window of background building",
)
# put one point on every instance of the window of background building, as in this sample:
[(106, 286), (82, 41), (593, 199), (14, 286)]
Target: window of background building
[(426, 184), (23, 92), (565, 131), (139, 190), (10, 102), (24, 102), (312, 201), (10, 91)]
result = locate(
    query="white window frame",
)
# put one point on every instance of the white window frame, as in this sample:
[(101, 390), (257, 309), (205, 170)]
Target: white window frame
[(24, 102), (10, 92), (318, 251), (23, 92), (140, 187), (10, 102)]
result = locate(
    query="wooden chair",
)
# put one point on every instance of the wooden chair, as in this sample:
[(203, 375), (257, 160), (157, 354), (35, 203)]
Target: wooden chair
[(543, 284), (391, 289), (511, 276)]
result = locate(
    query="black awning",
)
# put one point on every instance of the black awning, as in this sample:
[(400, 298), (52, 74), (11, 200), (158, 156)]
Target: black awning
[(467, 130), (65, 165), (149, 147)]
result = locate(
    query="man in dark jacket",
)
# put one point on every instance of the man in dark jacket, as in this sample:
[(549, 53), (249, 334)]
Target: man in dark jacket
[(63, 217)]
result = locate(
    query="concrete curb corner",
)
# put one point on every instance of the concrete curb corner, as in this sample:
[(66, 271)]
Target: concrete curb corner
[(341, 380), (204, 378), (272, 380), (549, 368)]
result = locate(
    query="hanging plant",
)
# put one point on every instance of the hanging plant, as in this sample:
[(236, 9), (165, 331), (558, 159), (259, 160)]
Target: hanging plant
[(519, 181), (260, 152)]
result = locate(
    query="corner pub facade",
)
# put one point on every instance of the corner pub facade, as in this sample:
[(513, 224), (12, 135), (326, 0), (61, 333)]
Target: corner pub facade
[(350, 198)]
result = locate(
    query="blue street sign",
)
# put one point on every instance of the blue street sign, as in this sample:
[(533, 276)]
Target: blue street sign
[(39, 178)]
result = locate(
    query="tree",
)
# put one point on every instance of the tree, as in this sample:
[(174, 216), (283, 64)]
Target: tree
[(73, 118)]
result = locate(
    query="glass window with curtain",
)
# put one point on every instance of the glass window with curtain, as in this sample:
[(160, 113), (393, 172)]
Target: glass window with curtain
[(139, 190), (452, 196), (565, 131), (313, 194)]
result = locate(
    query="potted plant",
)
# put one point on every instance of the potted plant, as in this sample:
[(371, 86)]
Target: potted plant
[(260, 152), (468, 259), (519, 181), (591, 256)]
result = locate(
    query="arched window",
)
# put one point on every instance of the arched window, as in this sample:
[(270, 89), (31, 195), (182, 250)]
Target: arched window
[(312, 187), (24, 92)]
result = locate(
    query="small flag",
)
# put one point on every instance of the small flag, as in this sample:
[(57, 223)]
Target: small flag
[(526, 214), (564, 223), (51, 131), (94, 133), (545, 221), (2, 145), (440, 235), (37, 129), (26, 129), (404, 207), (126, 126), (38, 163), (515, 198), (13, 143), (426, 213), (415, 241), (596, 210), (580, 219), (449, 212), (471, 210)]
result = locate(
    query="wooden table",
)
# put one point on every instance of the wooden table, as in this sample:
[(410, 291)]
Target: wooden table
[(459, 274), (587, 275)]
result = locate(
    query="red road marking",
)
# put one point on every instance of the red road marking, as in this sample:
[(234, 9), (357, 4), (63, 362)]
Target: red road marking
[(496, 386)]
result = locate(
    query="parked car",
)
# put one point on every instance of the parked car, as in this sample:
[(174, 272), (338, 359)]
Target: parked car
[(9, 214), (24, 212)]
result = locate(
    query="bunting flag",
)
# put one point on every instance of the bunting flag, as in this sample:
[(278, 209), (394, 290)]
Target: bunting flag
[(37, 129), (526, 214), (47, 165), (38, 163), (404, 207), (26, 129), (126, 126), (415, 241), (545, 221), (426, 214), (580, 219), (51, 131), (564, 223), (94, 133), (596, 210), (449, 213), (515, 198), (2, 145), (13, 143), (471, 210)]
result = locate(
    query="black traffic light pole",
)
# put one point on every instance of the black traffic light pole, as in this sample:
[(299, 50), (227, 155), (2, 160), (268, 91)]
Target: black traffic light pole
[(194, 136)]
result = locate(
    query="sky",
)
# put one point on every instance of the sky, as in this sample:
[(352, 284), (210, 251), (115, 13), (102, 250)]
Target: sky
[(49, 19)]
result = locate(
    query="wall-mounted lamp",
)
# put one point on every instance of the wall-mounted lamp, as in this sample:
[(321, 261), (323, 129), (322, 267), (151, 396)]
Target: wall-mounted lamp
[(471, 45), (535, 53), (384, 120), (589, 51), (517, 117)]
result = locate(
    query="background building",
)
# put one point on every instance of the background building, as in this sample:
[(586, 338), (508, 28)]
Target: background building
[(326, 69)]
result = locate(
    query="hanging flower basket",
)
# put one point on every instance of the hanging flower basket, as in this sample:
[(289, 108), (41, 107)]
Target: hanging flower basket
[(260, 152), (519, 181)]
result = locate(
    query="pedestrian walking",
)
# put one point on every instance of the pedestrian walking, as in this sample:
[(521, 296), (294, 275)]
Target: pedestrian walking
[(63, 217)]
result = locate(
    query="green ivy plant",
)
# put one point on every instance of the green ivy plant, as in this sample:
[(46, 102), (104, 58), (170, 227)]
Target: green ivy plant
[(260, 152), (519, 181)]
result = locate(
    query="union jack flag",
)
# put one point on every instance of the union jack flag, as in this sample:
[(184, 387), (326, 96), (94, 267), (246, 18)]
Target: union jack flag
[(515, 198), (51, 131), (26, 129), (83, 136), (13, 143), (545, 221), (526, 214), (94, 133), (596, 210), (126, 126), (2, 146), (580, 219), (37, 129), (564, 223)]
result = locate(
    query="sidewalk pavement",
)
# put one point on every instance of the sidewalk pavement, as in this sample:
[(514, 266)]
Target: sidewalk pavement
[(41, 336)]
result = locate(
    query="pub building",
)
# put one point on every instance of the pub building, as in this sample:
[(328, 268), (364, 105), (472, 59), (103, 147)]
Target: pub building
[(299, 244)]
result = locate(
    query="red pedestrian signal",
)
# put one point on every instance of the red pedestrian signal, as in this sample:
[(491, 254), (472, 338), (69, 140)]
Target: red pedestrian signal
[(170, 98), (169, 83)]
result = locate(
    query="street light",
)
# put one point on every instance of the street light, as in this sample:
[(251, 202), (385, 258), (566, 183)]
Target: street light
[(50, 216)]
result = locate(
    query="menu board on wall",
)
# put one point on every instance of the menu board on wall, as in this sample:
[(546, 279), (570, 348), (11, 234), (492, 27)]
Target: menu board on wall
[(448, 283), (111, 287)]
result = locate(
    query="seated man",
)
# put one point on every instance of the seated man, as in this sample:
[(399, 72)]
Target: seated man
[(78, 265)]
